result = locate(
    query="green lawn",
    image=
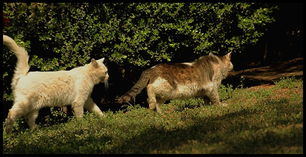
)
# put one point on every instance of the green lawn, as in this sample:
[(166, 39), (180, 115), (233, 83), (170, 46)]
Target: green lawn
[(266, 119)]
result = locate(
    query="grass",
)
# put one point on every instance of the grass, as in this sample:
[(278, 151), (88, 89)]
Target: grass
[(256, 121)]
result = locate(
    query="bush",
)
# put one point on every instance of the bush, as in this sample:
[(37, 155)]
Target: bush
[(61, 36)]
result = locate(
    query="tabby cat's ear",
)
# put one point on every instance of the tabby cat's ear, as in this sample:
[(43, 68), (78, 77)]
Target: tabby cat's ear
[(228, 56), (102, 59), (94, 63)]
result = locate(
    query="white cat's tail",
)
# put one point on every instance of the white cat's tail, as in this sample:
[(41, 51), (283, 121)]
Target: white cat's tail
[(22, 66)]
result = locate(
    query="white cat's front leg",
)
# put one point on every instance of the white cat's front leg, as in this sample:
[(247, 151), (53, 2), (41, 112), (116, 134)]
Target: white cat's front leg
[(78, 108), (91, 106), (31, 117)]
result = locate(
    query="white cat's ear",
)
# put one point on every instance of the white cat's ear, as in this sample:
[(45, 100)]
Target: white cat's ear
[(94, 63), (102, 59)]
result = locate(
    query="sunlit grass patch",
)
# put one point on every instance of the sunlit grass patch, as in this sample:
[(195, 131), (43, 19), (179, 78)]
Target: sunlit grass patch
[(289, 82)]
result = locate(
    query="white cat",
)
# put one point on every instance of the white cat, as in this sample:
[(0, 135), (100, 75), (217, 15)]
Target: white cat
[(35, 90)]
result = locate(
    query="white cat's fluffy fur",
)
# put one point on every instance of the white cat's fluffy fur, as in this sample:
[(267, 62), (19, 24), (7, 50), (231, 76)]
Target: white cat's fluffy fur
[(35, 90)]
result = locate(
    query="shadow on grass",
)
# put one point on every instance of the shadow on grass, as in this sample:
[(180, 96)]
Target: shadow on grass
[(234, 133), (159, 139), (211, 131)]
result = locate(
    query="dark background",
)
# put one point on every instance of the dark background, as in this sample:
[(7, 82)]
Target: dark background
[(283, 41)]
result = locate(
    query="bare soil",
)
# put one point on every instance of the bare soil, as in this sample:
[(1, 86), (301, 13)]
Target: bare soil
[(266, 74), (293, 67)]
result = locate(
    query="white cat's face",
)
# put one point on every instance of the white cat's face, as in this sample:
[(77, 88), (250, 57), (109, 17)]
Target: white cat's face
[(100, 70)]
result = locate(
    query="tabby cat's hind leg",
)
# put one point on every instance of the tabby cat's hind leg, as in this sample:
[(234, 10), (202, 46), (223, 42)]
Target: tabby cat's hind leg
[(214, 97), (153, 105), (158, 103)]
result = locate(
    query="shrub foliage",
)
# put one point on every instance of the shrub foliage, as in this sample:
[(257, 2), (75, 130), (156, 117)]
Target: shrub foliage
[(60, 36)]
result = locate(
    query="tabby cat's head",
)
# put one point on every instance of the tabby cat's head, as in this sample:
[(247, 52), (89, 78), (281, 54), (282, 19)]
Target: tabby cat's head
[(226, 59)]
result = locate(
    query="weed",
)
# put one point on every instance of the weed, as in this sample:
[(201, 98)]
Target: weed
[(57, 116), (181, 104), (226, 91), (241, 82), (289, 82)]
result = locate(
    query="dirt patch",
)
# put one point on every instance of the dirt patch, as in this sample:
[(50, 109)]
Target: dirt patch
[(278, 93), (292, 67), (264, 86), (266, 74)]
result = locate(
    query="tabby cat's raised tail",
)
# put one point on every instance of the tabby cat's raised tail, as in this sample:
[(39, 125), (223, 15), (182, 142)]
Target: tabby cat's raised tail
[(22, 66), (136, 89)]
